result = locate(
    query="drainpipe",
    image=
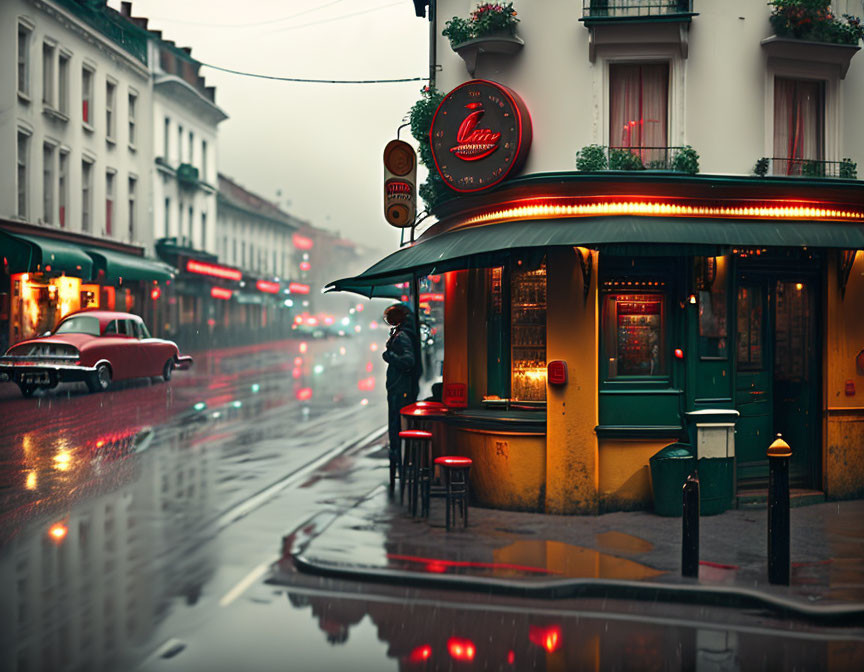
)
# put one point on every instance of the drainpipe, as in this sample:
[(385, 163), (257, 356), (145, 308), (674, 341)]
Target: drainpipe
[(433, 42)]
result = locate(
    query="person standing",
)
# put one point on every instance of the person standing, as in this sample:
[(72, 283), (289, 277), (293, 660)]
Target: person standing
[(403, 376)]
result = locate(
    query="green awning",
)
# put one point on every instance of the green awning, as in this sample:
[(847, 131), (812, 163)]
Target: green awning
[(128, 267), (35, 254), (488, 245)]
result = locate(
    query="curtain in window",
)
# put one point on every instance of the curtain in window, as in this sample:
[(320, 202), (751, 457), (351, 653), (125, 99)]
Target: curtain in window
[(798, 123), (638, 97)]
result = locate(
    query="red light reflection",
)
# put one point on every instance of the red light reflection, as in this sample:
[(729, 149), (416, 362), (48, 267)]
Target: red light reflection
[(304, 394), (461, 649), (420, 654), (548, 638)]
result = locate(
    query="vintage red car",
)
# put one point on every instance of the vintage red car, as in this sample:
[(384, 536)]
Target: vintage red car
[(93, 346)]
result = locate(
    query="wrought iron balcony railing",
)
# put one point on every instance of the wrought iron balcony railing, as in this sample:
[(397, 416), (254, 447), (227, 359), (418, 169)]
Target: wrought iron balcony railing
[(632, 9), (813, 168)]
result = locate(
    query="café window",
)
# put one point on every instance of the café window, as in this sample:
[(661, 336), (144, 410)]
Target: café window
[(749, 324), (634, 326), (528, 335), (711, 281)]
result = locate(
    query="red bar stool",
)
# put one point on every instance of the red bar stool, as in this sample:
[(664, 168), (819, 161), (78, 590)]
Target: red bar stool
[(416, 467), (454, 472)]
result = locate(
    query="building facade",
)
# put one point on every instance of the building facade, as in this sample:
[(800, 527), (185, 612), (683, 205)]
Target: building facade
[(650, 226)]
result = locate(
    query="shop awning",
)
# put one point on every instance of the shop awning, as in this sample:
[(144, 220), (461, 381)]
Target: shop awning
[(35, 254), (488, 245), (128, 267)]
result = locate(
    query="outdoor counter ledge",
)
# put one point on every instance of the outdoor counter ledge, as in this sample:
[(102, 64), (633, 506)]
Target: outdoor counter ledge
[(508, 451)]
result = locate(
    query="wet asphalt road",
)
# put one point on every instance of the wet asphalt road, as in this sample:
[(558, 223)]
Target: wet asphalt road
[(170, 504)]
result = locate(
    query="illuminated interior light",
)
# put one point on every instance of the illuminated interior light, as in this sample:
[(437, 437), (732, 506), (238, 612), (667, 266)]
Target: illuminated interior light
[(31, 481), (571, 207), (62, 461)]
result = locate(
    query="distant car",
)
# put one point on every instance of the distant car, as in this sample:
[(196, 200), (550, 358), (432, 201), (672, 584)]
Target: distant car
[(93, 346)]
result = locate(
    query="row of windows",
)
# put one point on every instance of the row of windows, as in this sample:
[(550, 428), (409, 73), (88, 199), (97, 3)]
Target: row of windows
[(56, 88), (185, 148), (250, 257), (55, 189), (639, 116), (185, 229)]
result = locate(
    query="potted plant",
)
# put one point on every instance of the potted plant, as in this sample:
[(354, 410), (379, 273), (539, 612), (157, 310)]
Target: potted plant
[(591, 159), (813, 20), (433, 190), (490, 28), (686, 160), (848, 169)]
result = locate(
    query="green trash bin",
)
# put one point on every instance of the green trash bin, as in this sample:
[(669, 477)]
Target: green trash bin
[(669, 469)]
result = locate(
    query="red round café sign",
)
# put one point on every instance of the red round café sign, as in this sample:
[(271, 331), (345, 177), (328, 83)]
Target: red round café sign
[(480, 134)]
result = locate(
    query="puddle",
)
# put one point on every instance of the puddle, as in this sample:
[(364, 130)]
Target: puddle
[(562, 559), (619, 542)]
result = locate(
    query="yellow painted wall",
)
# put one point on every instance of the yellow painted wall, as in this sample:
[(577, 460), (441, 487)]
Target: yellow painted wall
[(843, 448), (625, 477), (508, 471), (571, 325)]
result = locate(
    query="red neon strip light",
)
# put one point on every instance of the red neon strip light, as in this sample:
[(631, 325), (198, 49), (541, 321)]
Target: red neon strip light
[(644, 206), (212, 269), (432, 296), (298, 288), (267, 286), (221, 293), (302, 242), (305, 265)]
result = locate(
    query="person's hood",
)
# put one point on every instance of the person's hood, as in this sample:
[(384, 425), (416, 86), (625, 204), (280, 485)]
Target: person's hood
[(408, 324)]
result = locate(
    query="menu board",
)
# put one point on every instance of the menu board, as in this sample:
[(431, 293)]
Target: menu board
[(639, 336)]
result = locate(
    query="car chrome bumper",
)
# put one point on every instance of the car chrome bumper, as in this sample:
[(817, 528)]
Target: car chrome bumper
[(184, 362), (18, 371)]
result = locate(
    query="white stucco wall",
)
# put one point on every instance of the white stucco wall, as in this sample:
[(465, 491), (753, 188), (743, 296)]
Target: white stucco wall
[(52, 23), (721, 94)]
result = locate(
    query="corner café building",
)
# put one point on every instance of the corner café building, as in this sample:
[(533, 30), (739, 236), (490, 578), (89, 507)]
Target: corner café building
[(662, 293)]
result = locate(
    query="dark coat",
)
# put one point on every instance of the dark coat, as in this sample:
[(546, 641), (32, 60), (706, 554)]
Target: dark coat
[(403, 363)]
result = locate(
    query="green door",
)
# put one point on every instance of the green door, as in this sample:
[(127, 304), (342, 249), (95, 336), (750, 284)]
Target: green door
[(753, 382), (796, 388), (777, 375)]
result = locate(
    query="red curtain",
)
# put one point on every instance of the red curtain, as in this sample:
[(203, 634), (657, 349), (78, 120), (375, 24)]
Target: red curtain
[(798, 123), (639, 100)]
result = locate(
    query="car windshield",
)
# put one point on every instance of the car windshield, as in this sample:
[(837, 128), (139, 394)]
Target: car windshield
[(80, 324)]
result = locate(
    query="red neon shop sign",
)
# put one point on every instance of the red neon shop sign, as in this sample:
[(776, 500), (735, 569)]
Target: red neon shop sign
[(302, 242), (221, 293), (203, 268), (298, 288), (267, 286)]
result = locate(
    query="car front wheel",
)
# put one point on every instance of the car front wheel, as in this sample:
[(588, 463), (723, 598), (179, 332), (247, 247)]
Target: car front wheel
[(100, 379), (167, 370)]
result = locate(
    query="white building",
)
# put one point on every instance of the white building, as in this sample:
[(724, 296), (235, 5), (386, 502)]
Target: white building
[(76, 129), (185, 119)]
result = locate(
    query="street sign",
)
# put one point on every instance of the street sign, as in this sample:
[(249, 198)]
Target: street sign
[(400, 184)]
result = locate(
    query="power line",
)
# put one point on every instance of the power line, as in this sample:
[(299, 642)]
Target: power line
[(337, 18), (316, 81)]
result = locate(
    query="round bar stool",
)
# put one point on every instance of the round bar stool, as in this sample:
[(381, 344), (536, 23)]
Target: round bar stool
[(454, 472), (416, 467)]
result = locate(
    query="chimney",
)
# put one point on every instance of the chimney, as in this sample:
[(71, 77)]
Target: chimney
[(126, 9)]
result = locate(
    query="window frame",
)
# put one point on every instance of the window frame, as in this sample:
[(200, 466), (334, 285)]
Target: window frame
[(88, 88), (132, 111), (23, 59), (110, 199), (23, 139), (64, 63), (643, 54), (111, 110), (832, 132), (49, 163), (88, 165), (132, 202), (49, 69), (62, 186)]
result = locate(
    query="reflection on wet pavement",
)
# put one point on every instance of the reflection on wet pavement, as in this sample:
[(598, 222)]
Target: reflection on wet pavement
[(619, 542)]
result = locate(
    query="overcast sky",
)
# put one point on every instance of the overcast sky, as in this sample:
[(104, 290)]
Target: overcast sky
[(321, 144)]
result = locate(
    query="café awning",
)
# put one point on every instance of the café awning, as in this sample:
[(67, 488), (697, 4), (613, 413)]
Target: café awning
[(489, 245), (128, 267), (35, 254)]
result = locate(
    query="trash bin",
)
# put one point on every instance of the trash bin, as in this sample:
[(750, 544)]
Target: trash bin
[(712, 431), (669, 469)]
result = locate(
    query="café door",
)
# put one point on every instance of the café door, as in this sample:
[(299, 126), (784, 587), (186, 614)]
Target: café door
[(777, 375)]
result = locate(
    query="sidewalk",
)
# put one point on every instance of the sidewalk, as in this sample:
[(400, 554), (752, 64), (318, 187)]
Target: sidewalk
[(631, 555)]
